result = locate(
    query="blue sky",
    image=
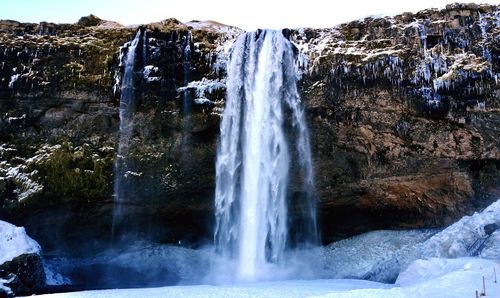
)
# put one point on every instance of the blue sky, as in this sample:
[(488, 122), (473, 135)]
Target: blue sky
[(249, 14)]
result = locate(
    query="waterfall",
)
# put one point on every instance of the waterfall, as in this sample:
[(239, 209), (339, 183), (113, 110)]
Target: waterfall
[(483, 25), (186, 99), (127, 101), (254, 157)]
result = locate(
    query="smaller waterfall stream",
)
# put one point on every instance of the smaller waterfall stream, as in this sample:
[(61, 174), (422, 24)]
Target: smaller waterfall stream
[(127, 102), (254, 157), (186, 99)]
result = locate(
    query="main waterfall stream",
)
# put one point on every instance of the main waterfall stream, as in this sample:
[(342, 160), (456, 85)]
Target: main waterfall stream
[(253, 168)]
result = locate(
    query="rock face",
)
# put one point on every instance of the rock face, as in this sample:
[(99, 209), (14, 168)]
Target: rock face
[(405, 117), (403, 112)]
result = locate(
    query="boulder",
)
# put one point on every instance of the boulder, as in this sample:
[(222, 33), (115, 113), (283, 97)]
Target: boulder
[(490, 228), (20, 261)]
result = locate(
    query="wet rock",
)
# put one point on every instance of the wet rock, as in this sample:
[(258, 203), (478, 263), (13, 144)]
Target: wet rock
[(490, 228), (25, 275)]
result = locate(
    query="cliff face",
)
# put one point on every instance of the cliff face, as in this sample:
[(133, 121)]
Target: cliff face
[(403, 111), (405, 114)]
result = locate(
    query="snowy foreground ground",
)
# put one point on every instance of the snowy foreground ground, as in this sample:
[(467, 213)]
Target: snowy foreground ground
[(419, 263), (424, 278)]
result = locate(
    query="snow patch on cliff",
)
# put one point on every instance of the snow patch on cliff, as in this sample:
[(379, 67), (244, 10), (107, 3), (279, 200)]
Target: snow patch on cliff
[(151, 73), (202, 89), (22, 173)]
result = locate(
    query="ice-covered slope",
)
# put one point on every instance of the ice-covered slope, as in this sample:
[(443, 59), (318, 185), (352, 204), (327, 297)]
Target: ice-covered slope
[(382, 255), (361, 256)]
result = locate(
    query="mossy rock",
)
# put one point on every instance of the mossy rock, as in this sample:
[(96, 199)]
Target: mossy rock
[(78, 173)]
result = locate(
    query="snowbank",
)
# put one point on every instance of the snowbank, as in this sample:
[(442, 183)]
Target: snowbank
[(362, 256), (15, 242), (491, 248), (439, 278), (382, 255), (463, 238)]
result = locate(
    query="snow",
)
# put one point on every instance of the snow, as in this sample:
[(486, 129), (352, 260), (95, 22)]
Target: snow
[(203, 88), (438, 278), (13, 79), (365, 256), (458, 240), (491, 248), (424, 278), (22, 174), (203, 100), (426, 270), (287, 289), (148, 72), (382, 255), (212, 26), (130, 173), (15, 242), (27, 185), (3, 288), (11, 119)]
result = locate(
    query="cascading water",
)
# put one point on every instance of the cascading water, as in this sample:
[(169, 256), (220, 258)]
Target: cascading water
[(254, 157), (127, 91), (186, 98)]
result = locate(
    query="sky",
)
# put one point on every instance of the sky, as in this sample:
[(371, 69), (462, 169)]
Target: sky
[(248, 15)]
